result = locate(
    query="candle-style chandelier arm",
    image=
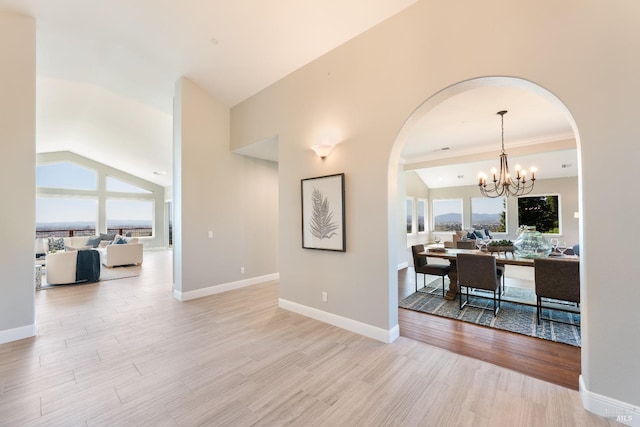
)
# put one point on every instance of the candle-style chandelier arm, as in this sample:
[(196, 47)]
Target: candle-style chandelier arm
[(520, 186)]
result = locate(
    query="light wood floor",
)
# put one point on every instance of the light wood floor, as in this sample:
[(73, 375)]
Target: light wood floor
[(126, 353)]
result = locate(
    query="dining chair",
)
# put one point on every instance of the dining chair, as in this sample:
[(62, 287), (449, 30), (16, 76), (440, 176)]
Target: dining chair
[(556, 279), (422, 266), (479, 271)]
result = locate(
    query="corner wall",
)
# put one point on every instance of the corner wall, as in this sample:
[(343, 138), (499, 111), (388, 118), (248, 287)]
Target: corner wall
[(233, 197), (17, 175)]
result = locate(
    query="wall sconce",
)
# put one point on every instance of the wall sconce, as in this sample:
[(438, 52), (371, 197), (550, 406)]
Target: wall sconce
[(322, 150)]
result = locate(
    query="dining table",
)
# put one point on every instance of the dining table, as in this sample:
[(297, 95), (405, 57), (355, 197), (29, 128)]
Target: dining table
[(502, 258)]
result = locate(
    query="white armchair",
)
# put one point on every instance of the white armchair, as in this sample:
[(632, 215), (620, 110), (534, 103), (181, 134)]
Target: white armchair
[(61, 267)]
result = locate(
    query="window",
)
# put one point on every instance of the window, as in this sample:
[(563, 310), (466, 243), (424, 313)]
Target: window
[(409, 213), (66, 216), (130, 216), (447, 215), (489, 214), (421, 215), (115, 185), (541, 212), (65, 175)]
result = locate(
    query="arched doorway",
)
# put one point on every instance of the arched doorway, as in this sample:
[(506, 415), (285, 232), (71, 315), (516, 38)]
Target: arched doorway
[(478, 149)]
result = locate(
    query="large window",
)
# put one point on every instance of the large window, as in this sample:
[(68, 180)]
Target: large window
[(489, 214), (75, 196), (127, 216), (409, 215), (65, 175), (421, 215), (116, 185), (447, 214), (541, 212), (62, 216)]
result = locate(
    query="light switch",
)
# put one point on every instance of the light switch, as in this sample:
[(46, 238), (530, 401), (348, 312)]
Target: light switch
[(210, 234)]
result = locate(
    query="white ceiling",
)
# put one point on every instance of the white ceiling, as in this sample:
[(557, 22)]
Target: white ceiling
[(107, 68), (106, 73), (466, 126)]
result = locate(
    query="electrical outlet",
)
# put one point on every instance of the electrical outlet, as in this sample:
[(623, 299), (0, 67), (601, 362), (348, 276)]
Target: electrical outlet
[(241, 270), (325, 297)]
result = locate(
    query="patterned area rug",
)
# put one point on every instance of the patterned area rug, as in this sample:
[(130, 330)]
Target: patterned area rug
[(519, 317)]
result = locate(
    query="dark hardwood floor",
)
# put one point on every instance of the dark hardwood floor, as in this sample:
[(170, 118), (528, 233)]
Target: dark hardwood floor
[(546, 360)]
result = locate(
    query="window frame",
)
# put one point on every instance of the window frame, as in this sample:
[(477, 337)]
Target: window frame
[(409, 208), (425, 222), (504, 213), (558, 213)]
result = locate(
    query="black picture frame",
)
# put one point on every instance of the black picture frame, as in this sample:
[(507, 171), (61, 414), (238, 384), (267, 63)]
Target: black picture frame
[(323, 213)]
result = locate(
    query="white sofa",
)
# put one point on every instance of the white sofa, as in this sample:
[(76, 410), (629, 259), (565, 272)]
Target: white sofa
[(61, 267), (72, 266), (111, 255)]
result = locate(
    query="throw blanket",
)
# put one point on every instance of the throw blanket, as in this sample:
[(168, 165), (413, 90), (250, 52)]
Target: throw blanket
[(88, 266)]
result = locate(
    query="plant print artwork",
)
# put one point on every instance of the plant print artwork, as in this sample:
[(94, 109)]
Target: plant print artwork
[(321, 224)]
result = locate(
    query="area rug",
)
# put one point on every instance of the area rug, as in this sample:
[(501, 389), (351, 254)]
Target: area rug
[(518, 317), (106, 274)]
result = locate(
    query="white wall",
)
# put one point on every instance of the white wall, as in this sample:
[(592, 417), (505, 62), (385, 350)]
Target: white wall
[(234, 197), (17, 176), (366, 89)]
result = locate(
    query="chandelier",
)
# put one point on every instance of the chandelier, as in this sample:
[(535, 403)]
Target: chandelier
[(503, 184)]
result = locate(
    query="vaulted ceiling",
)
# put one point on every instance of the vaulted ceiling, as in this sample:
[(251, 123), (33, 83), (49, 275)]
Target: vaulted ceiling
[(106, 70)]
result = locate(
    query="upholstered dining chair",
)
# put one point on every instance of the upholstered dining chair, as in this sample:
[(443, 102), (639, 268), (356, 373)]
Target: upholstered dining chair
[(421, 265), (480, 272), (557, 279)]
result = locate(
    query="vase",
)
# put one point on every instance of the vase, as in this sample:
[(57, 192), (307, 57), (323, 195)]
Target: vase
[(531, 244)]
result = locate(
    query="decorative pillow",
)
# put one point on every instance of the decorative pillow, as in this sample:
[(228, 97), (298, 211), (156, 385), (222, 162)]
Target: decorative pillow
[(471, 235), (107, 236), (94, 241), (478, 234), (119, 241), (104, 244), (56, 244)]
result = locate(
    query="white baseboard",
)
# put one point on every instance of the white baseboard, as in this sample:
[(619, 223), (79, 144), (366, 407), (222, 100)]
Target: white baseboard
[(16, 334), (212, 290), (609, 408), (403, 265), (386, 336)]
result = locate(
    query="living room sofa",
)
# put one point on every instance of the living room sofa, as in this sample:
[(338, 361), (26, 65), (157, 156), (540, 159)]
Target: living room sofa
[(73, 266), (114, 250)]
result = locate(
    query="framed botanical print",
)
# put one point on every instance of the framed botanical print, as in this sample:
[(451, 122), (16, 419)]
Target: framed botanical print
[(323, 213)]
